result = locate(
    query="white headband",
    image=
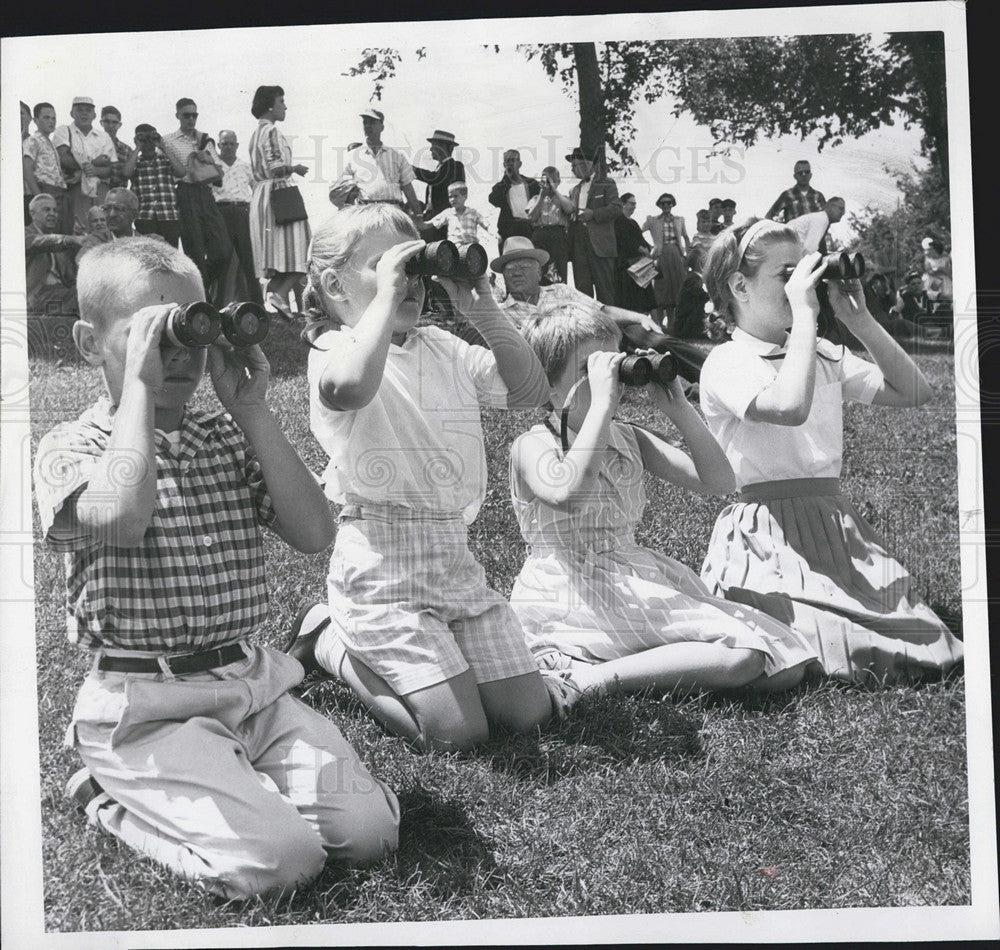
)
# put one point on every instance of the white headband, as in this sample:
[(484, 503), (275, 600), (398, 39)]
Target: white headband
[(750, 233)]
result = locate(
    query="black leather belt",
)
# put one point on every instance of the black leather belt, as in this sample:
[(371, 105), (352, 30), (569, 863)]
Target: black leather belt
[(178, 664), (238, 204)]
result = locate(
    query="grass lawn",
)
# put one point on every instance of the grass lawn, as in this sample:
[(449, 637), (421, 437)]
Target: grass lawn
[(825, 797)]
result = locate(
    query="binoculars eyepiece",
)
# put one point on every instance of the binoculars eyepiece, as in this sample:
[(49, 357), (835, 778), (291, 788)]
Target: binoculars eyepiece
[(445, 259), (637, 370), (198, 324)]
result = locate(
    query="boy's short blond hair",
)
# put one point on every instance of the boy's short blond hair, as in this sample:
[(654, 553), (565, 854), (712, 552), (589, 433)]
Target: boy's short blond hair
[(457, 186), (108, 270), (556, 331)]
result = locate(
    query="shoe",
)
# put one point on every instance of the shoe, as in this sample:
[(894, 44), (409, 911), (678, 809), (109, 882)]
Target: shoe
[(280, 306), (550, 658), (82, 788), (309, 623), (563, 691)]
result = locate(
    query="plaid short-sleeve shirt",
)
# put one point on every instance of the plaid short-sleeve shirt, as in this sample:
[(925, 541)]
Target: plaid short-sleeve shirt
[(197, 578), (462, 227), (793, 203), (155, 185)]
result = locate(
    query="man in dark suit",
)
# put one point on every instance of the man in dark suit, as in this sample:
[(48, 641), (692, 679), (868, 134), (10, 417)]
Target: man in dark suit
[(511, 195), (449, 170), (593, 247)]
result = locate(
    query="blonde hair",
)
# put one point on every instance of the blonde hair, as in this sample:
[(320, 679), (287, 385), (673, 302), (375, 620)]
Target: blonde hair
[(108, 271), (333, 243), (556, 331), (725, 259)]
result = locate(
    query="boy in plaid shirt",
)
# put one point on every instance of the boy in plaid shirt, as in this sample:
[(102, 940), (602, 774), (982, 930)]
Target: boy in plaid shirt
[(154, 180), (195, 752), (463, 223)]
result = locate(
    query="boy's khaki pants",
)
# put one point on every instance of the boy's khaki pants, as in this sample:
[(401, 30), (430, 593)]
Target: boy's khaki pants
[(225, 778)]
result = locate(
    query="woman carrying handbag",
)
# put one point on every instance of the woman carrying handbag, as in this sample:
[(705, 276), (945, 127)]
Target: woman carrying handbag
[(279, 226)]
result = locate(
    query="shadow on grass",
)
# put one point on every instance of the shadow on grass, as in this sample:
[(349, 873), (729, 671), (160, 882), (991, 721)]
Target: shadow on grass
[(600, 733)]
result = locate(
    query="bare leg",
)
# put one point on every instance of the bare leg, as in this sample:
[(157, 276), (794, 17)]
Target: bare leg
[(786, 679), (447, 716), (673, 666), (518, 702)]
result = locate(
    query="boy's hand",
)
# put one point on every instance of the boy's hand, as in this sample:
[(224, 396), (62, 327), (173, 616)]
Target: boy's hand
[(391, 278), (239, 376), (143, 359), (602, 372), (801, 287), (670, 399)]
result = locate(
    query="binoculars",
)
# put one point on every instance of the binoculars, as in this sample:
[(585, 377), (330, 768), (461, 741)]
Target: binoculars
[(637, 370), (445, 259), (198, 324), (843, 266), (840, 266)]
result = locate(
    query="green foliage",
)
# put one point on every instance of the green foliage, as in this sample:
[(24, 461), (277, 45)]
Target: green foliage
[(747, 88), (890, 240)]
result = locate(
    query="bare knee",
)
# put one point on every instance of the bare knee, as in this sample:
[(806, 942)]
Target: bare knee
[(744, 667), (455, 736), (786, 679)]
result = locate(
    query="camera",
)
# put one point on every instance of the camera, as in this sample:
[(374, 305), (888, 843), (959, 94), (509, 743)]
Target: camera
[(437, 259), (198, 324), (637, 370)]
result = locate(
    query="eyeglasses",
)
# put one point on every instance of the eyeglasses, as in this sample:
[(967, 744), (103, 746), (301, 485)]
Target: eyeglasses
[(189, 115)]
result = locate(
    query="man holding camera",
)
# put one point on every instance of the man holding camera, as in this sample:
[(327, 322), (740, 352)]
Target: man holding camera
[(511, 195), (154, 182), (86, 155)]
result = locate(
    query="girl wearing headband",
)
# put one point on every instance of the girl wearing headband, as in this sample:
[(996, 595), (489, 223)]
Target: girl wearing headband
[(793, 544)]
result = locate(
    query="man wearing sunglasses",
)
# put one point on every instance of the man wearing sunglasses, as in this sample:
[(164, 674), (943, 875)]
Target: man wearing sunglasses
[(203, 232)]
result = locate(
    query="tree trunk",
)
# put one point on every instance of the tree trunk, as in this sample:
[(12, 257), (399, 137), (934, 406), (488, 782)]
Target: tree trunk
[(926, 52), (593, 128)]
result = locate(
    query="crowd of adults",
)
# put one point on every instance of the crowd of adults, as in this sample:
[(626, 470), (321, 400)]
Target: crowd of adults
[(244, 224)]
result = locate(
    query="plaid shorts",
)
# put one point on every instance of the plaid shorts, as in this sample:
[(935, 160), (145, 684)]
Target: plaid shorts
[(413, 603)]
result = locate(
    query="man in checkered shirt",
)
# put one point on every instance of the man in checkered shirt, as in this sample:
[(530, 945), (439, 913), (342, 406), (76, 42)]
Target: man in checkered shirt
[(798, 200), (154, 180), (195, 752)]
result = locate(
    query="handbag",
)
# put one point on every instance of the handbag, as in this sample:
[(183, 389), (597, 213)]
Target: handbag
[(643, 271), (203, 172), (287, 205)]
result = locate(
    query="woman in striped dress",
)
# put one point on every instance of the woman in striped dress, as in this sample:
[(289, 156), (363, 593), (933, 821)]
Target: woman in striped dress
[(599, 611), (280, 251), (670, 248), (794, 545)]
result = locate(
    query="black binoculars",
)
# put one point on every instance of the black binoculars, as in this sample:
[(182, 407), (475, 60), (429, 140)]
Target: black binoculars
[(637, 370), (843, 266), (445, 259), (198, 324)]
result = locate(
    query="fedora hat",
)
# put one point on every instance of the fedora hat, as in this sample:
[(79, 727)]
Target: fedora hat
[(515, 248), (441, 136), (581, 154)]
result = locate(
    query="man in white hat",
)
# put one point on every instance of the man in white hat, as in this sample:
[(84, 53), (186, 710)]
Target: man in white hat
[(521, 265), (86, 154), (374, 172), (448, 171)]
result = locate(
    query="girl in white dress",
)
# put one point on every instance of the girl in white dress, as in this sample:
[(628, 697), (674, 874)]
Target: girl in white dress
[(600, 612), (793, 544)]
